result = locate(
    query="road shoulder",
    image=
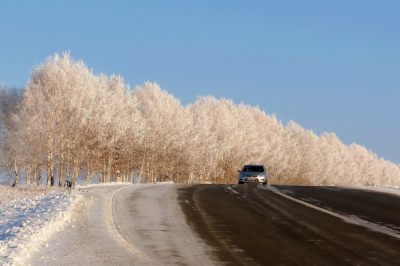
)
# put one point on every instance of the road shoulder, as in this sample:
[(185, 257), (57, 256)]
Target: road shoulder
[(124, 225)]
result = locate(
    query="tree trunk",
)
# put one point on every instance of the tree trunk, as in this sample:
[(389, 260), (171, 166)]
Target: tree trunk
[(76, 173), (141, 172), (103, 177), (34, 175), (61, 175), (40, 176), (109, 170), (16, 182), (50, 177), (49, 172), (116, 166), (190, 180), (68, 167), (89, 175), (28, 176)]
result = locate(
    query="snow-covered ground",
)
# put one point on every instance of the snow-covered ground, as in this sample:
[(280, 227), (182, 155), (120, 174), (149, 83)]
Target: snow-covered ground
[(28, 216), (8, 194)]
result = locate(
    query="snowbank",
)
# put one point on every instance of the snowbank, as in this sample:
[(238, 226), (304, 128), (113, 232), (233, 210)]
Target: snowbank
[(29, 216), (27, 221), (108, 184)]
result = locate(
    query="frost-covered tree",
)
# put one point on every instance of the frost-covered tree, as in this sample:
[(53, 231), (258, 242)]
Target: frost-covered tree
[(55, 105), (10, 99), (164, 133), (70, 123)]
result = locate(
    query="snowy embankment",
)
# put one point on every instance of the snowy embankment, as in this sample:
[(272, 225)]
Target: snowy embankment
[(28, 217)]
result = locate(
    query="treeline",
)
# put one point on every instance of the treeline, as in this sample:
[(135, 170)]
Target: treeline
[(68, 123)]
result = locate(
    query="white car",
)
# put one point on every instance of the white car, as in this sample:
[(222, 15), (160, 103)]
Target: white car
[(253, 173)]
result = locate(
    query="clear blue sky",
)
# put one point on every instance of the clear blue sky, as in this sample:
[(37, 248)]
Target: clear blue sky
[(329, 65)]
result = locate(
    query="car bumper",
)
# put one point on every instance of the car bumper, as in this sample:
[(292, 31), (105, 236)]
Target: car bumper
[(253, 180)]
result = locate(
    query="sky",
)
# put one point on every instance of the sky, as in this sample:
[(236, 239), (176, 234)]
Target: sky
[(330, 66)]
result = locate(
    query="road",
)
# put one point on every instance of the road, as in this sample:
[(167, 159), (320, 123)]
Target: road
[(177, 224), (252, 225)]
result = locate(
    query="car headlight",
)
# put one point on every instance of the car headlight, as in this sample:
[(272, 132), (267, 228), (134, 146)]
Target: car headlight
[(261, 175)]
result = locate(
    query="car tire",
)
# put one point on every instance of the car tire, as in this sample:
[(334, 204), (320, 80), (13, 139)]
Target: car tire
[(265, 183), (241, 183)]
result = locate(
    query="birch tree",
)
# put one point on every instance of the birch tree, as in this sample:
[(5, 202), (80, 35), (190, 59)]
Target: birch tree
[(166, 125), (70, 122), (9, 107), (53, 107)]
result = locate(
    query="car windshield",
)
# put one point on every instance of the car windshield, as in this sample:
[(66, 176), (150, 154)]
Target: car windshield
[(252, 168)]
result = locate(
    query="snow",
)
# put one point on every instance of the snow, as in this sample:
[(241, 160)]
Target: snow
[(8, 194), (26, 218), (109, 184), (29, 216)]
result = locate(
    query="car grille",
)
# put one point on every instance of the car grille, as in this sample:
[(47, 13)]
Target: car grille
[(252, 179)]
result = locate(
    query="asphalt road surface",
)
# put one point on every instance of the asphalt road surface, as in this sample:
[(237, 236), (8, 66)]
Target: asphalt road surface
[(253, 225)]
